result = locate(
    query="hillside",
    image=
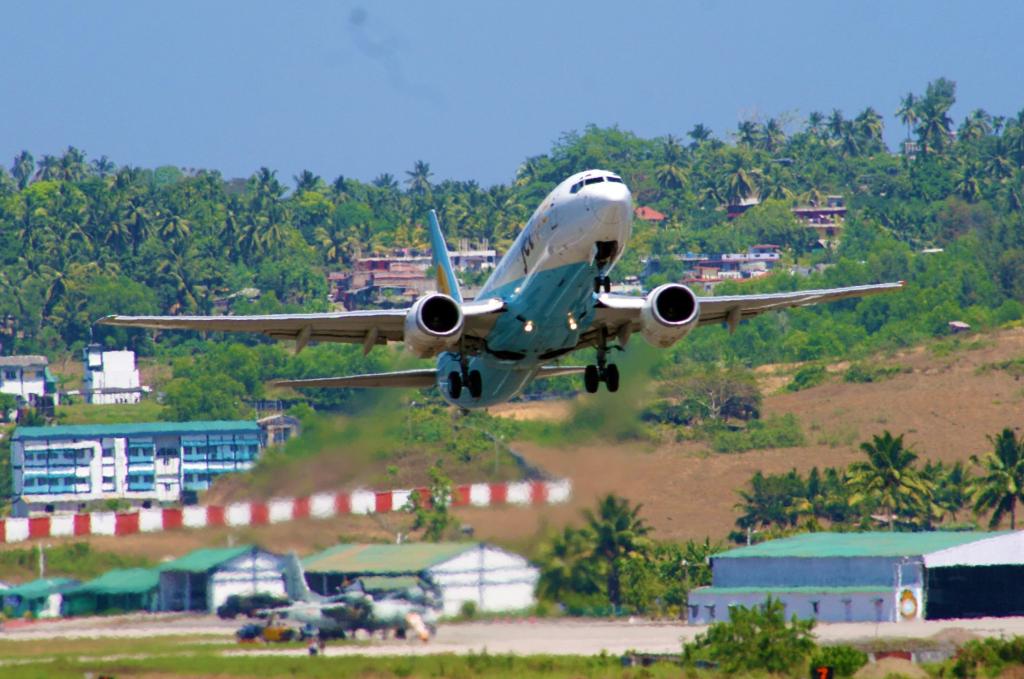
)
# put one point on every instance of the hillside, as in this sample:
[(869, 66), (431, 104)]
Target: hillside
[(945, 402)]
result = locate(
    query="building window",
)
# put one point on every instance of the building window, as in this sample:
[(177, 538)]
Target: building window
[(711, 612), (10, 374), (814, 607)]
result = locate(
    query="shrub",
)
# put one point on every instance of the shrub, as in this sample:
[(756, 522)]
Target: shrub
[(774, 432), (862, 373), (845, 660), (756, 639), (468, 610), (987, 657), (807, 377)]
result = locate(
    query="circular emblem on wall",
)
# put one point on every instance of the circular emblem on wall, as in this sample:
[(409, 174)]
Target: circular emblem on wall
[(908, 604)]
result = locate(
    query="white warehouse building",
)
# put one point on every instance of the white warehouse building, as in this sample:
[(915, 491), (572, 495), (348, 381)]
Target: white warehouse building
[(204, 579), (62, 468), (493, 579)]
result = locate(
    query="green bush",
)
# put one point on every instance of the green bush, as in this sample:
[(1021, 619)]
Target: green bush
[(845, 660), (756, 639), (987, 657), (774, 432), (862, 373), (807, 377), (468, 610)]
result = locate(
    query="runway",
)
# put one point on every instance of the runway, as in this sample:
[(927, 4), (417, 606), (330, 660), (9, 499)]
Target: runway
[(526, 637)]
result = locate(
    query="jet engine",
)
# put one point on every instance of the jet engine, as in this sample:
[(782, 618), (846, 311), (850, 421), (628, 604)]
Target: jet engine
[(668, 314), (433, 324)]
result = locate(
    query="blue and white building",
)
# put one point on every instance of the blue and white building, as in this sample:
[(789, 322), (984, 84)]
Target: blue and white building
[(63, 468)]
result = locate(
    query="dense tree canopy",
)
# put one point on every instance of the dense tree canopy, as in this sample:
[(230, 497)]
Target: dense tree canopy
[(80, 238)]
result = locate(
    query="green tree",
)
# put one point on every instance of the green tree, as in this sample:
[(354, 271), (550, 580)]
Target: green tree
[(889, 479), (618, 532), (1000, 485), (756, 639), (567, 567), (431, 513)]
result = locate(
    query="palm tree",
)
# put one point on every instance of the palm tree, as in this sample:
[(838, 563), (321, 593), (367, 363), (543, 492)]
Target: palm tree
[(566, 565), (816, 123), (306, 181), (24, 166), (1001, 484), (907, 112), (977, 125), (968, 184), (618, 531), (419, 178), (836, 122), (385, 181), (174, 228), (137, 219), (741, 180), (670, 177), (748, 133), (774, 137), (870, 126), (889, 478), (699, 134), (103, 166)]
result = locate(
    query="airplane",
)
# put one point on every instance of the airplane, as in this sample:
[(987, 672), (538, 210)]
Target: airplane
[(415, 608), (549, 296)]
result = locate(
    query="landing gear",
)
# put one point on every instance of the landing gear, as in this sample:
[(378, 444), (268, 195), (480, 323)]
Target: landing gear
[(468, 379), (454, 385), (475, 384), (593, 375), (602, 283)]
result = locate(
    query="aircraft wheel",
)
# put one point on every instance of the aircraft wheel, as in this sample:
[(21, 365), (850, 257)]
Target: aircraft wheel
[(611, 378), (476, 384), (591, 379), (607, 283), (454, 385)]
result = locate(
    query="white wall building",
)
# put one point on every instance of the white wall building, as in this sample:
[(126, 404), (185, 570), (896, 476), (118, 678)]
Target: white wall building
[(60, 469), (204, 579), (28, 378), (493, 579), (110, 376)]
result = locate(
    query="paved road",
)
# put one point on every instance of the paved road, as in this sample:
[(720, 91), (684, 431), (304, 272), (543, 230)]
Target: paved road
[(562, 637)]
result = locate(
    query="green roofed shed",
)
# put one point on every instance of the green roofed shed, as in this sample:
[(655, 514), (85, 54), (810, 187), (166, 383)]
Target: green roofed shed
[(203, 560), (86, 431), (37, 597), (128, 589), (873, 544), (409, 558)]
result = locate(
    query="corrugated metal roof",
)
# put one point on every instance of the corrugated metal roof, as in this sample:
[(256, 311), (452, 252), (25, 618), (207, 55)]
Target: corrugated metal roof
[(203, 560), (121, 581), (85, 431), (26, 361), (818, 545), (38, 589), (726, 591), (412, 557)]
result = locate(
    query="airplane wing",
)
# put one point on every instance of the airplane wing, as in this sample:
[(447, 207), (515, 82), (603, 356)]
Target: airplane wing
[(355, 327), (422, 378), (619, 315)]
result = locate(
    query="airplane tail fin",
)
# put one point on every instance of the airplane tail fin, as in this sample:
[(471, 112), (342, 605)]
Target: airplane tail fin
[(446, 281), (295, 582)]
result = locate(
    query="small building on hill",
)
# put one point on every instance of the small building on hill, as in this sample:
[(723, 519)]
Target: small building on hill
[(40, 598), (124, 590), (870, 577), (28, 378), (203, 580), (110, 376), (491, 578)]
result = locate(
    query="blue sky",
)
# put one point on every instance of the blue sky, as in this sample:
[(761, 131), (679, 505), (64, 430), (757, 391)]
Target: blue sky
[(473, 88)]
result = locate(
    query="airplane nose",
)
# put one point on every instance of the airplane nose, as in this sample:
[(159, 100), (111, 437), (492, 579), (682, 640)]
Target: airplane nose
[(612, 203)]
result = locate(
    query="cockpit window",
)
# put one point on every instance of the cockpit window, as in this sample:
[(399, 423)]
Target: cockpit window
[(614, 179), (576, 187), (593, 180)]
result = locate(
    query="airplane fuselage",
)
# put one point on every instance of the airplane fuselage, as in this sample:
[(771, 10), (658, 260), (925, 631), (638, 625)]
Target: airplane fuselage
[(546, 280)]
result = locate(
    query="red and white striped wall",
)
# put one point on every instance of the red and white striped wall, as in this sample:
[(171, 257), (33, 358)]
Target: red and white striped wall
[(319, 506)]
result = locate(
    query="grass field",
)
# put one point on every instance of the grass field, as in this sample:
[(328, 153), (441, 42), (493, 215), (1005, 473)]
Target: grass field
[(147, 410), (186, 656)]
